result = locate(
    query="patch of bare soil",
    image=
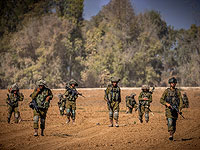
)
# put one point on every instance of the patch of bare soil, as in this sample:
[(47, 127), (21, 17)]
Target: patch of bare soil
[(91, 130)]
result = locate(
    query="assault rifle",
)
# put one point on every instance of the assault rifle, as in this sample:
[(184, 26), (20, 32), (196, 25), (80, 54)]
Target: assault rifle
[(74, 92), (34, 105), (139, 108), (174, 107)]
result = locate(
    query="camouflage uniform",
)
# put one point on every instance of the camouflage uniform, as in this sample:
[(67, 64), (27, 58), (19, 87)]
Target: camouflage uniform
[(130, 103), (185, 100), (113, 98), (12, 100), (144, 104), (61, 104), (171, 96), (43, 104), (71, 95)]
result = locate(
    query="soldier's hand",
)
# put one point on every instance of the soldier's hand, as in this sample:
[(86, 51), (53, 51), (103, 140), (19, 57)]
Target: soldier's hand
[(168, 105), (38, 90), (47, 99), (145, 98)]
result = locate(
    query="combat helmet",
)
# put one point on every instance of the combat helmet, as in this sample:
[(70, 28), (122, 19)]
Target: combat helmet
[(145, 87), (115, 79), (72, 81), (172, 80), (41, 82), (14, 87)]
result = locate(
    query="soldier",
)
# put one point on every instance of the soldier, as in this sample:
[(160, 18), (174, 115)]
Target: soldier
[(61, 104), (185, 100), (145, 98), (40, 103), (13, 97), (172, 99), (71, 95), (130, 103), (113, 98)]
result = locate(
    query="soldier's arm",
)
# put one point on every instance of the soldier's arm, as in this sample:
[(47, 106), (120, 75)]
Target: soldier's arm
[(150, 98), (34, 94), (50, 95), (162, 99), (106, 94), (119, 95), (140, 97), (181, 101)]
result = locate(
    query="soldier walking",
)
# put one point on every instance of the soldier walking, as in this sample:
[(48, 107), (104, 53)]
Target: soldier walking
[(130, 103), (41, 97), (113, 98), (71, 95), (14, 96), (172, 100), (185, 100), (145, 98)]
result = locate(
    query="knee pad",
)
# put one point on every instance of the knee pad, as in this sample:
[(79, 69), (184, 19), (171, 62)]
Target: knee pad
[(147, 116), (170, 122), (17, 115), (110, 114), (116, 115), (73, 114), (35, 119)]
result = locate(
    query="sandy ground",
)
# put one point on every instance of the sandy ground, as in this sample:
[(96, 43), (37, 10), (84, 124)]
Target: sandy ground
[(91, 130)]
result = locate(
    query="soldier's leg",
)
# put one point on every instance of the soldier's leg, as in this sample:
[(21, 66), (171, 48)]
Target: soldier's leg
[(111, 117), (73, 112), (10, 110), (42, 121), (140, 113), (68, 111), (116, 117), (16, 114), (130, 110), (170, 128), (146, 115), (116, 113), (35, 122)]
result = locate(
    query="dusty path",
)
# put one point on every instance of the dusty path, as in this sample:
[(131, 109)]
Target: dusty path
[(86, 134)]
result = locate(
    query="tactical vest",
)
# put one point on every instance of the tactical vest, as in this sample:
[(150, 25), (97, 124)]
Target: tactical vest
[(40, 99), (114, 93), (172, 96), (72, 94), (146, 94), (14, 99)]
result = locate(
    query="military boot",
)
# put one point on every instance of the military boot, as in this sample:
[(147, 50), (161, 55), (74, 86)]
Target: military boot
[(68, 120), (116, 124), (171, 133), (111, 123), (42, 132), (73, 121), (36, 132)]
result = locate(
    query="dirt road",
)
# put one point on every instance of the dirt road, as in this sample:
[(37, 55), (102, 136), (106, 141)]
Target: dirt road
[(91, 130)]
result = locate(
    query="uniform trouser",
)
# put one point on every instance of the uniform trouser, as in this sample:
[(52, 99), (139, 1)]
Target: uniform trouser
[(172, 117), (142, 110), (114, 110), (62, 108), (71, 109), (171, 122), (12, 109), (39, 115)]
